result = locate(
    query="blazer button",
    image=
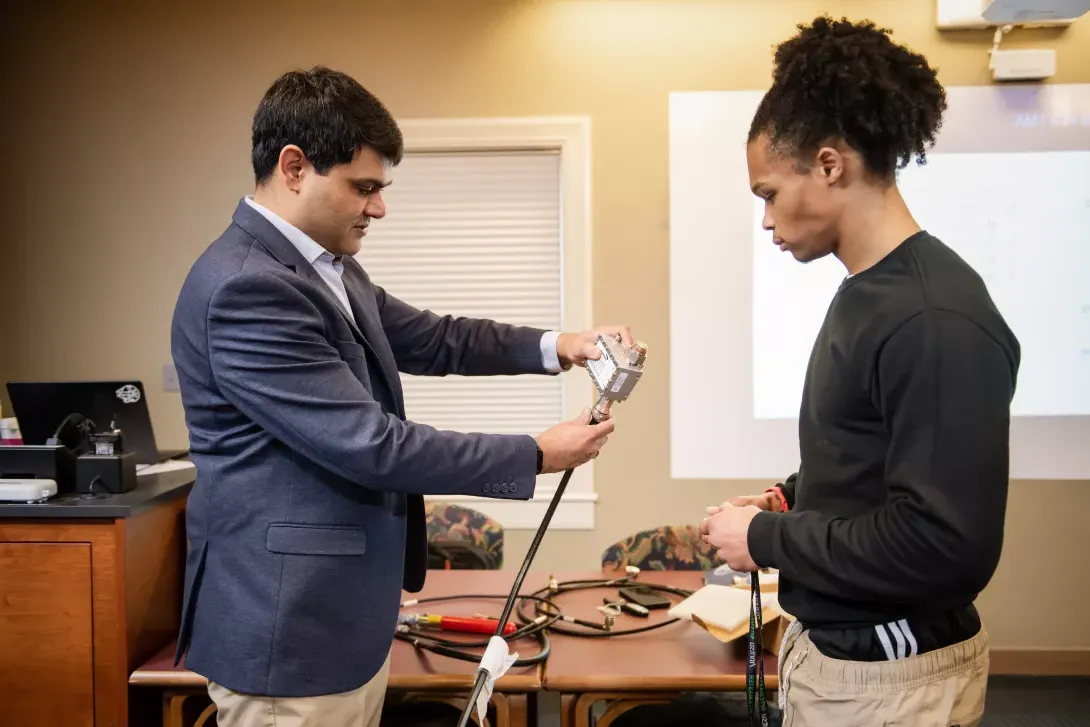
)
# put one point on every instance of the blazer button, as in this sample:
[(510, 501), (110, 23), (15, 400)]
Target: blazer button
[(504, 488), (514, 487), (487, 489)]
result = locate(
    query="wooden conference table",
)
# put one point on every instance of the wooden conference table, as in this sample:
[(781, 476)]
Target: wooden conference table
[(623, 671), (647, 668)]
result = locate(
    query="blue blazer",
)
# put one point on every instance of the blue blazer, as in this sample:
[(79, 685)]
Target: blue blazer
[(307, 517)]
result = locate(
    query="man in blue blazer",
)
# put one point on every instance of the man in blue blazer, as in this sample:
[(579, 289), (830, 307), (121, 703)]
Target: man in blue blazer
[(307, 517)]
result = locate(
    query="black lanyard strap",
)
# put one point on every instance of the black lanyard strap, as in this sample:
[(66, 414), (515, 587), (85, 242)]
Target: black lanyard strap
[(755, 664)]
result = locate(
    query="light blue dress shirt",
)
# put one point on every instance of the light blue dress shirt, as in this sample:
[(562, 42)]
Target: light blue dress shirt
[(331, 268)]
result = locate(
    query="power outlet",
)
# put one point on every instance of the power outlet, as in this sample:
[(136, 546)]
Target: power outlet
[(170, 378)]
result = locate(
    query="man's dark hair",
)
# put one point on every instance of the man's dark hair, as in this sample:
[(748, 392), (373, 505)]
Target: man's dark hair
[(843, 80), (328, 115)]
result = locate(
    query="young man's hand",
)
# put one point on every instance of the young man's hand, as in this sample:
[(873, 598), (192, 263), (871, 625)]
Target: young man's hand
[(576, 348), (768, 501), (727, 530)]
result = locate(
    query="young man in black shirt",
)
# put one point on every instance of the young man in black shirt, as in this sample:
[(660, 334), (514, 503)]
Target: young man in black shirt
[(894, 522)]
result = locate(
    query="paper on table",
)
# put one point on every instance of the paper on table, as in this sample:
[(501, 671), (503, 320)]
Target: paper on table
[(723, 611)]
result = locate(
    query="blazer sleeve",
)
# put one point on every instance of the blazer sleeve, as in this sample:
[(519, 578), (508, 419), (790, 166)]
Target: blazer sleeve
[(271, 359), (427, 344)]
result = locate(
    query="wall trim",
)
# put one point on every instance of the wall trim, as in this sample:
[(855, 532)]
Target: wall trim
[(1040, 662), (575, 512)]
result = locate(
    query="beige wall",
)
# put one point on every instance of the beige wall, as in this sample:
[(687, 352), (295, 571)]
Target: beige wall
[(130, 149)]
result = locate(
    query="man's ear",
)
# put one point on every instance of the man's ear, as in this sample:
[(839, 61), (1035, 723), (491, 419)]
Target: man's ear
[(829, 163), (292, 163)]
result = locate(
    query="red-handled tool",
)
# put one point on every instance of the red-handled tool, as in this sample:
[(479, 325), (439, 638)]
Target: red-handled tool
[(464, 624)]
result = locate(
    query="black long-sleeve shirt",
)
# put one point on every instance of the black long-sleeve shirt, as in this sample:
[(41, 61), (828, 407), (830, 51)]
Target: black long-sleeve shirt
[(897, 509)]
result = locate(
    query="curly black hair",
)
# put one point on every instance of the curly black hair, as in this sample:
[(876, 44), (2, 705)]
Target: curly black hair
[(328, 115), (836, 80)]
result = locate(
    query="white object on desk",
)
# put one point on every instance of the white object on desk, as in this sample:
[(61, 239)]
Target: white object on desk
[(9, 430), (172, 465), (724, 607), (28, 490)]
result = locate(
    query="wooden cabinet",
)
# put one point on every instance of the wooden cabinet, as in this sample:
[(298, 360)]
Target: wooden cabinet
[(88, 593), (46, 633)]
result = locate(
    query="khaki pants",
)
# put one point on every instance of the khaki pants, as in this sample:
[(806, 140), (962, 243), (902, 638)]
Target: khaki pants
[(359, 708), (942, 688)]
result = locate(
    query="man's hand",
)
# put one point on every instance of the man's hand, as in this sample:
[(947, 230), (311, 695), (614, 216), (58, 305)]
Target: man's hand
[(727, 530), (572, 443), (576, 348), (767, 501)]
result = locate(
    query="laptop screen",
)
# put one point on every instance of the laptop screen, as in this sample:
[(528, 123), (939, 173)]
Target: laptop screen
[(41, 407)]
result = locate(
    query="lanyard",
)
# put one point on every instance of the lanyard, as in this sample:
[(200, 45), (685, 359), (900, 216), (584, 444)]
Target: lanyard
[(755, 664)]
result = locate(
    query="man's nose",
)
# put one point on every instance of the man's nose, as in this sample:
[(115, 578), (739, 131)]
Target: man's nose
[(376, 206)]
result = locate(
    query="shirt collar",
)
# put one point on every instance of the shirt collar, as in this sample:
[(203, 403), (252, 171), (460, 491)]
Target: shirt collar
[(306, 246)]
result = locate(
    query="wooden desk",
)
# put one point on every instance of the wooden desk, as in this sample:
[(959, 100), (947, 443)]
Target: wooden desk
[(415, 674), (647, 668), (89, 589)]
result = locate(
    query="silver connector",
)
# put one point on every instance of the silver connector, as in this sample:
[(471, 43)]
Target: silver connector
[(610, 612)]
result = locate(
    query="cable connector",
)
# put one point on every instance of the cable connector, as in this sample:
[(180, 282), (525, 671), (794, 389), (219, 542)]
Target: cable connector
[(610, 612), (554, 585), (997, 38), (632, 570)]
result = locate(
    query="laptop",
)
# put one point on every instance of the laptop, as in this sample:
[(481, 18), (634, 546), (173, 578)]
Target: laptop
[(41, 407)]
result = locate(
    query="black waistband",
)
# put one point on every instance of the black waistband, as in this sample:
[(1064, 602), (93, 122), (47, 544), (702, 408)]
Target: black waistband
[(898, 639)]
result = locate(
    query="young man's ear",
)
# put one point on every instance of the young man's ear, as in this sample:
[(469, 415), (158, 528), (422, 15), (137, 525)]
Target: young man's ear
[(830, 164)]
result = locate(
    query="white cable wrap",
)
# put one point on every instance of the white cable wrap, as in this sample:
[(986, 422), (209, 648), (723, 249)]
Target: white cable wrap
[(496, 661)]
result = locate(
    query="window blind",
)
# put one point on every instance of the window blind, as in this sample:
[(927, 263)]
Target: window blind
[(475, 234)]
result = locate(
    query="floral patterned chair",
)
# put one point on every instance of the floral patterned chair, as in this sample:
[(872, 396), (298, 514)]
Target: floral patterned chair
[(670, 547), (454, 522)]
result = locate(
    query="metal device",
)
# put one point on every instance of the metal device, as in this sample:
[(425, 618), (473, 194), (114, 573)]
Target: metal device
[(615, 373)]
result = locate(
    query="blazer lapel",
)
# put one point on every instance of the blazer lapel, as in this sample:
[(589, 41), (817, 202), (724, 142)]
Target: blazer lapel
[(366, 327), (367, 316), (281, 248)]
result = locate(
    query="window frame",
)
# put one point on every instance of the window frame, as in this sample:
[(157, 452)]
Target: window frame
[(570, 137)]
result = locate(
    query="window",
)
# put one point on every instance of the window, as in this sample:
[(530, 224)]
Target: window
[(489, 218)]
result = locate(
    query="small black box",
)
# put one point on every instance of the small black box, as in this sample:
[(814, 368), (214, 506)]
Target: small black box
[(39, 462), (106, 474)]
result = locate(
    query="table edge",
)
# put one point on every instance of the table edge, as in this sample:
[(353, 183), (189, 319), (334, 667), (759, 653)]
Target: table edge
[(635, 684), (518, 683)]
